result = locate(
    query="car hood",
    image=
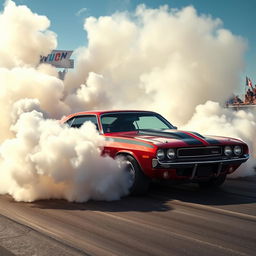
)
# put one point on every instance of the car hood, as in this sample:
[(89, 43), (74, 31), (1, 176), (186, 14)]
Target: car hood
[(177, 138)]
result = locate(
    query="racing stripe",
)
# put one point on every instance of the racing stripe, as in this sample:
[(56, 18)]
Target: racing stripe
[(207, 139), (212, 141), (196, 140), (186, 137), (128, 141)]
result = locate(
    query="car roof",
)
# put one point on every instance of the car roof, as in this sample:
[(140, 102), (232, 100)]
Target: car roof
[(100, 112)]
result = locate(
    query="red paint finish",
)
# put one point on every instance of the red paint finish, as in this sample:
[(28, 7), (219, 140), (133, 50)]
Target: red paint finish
[(142, 145)]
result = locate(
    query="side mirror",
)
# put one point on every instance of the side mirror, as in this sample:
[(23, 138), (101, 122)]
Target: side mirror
[(175, 127)]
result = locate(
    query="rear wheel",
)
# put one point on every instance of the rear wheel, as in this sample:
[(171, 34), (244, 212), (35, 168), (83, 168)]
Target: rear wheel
[(213, 183), (139, 183)]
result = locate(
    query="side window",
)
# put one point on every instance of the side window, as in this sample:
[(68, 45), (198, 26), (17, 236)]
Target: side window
[(80, 120), (107, 122), (70, 121)]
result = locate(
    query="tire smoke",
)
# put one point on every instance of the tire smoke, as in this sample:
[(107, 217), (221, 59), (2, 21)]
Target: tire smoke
[(48, 160), (211, 119)]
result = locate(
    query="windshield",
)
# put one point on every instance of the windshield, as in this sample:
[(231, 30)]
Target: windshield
[(122, 122)]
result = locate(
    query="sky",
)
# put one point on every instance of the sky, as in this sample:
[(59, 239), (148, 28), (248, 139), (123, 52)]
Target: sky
[(67, 19)]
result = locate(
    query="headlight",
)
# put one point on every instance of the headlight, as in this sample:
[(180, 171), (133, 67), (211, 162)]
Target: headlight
[(160, 154), (228, 151), (171, 153), (237, 150)]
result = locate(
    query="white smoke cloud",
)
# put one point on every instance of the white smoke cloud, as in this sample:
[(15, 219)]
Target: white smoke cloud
[(157, 56), (20, 83), (211, 119), (39, 158), (90, 95), (166, 60), (24, 36), (52, 160)]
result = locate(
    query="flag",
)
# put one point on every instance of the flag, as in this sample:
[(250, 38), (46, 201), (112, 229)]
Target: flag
[(248, 82)]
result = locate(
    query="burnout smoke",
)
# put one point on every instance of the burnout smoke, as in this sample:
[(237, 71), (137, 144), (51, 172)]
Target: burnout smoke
[(176, 62), (49, 160), (211, 118), (162, 59), (39, 157)]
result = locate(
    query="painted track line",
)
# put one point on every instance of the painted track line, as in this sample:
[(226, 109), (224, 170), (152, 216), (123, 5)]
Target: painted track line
[(239, 215), (172, 233)]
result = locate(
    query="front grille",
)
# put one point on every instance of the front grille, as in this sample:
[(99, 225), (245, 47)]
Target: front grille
[(204, 170), (199, 152)]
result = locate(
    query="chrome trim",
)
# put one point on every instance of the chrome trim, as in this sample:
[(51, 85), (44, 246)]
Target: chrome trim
[(194, 172), (154, 162), (178, 164), (217, 147), (219, 169)]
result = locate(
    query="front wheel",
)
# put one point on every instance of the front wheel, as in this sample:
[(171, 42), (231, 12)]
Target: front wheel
[(139, 183), (213, 183)]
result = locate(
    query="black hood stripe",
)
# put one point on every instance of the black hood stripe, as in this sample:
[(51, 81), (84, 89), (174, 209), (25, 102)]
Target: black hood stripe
[(209, 140), (190, 140), (212, 141)]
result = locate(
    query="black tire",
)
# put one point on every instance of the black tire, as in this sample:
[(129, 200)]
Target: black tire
[(212, 183), (139, 181)]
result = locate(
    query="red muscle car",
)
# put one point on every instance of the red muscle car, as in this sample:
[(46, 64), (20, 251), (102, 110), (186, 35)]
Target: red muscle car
[(153, 149)]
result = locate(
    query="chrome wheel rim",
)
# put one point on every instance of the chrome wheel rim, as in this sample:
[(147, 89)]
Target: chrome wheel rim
[(131, 172), (126, 166)]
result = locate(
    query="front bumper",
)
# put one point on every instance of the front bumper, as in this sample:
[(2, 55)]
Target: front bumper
[(173, 165), (196, 164)]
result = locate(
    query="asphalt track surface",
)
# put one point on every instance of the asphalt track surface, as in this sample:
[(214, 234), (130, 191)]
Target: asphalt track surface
[(180, 220)]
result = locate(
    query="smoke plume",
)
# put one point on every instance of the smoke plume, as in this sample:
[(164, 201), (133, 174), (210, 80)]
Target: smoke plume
[(156, 59), (24, 36), (175, 62), (55, 161), (210, 118), (39, 157)]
